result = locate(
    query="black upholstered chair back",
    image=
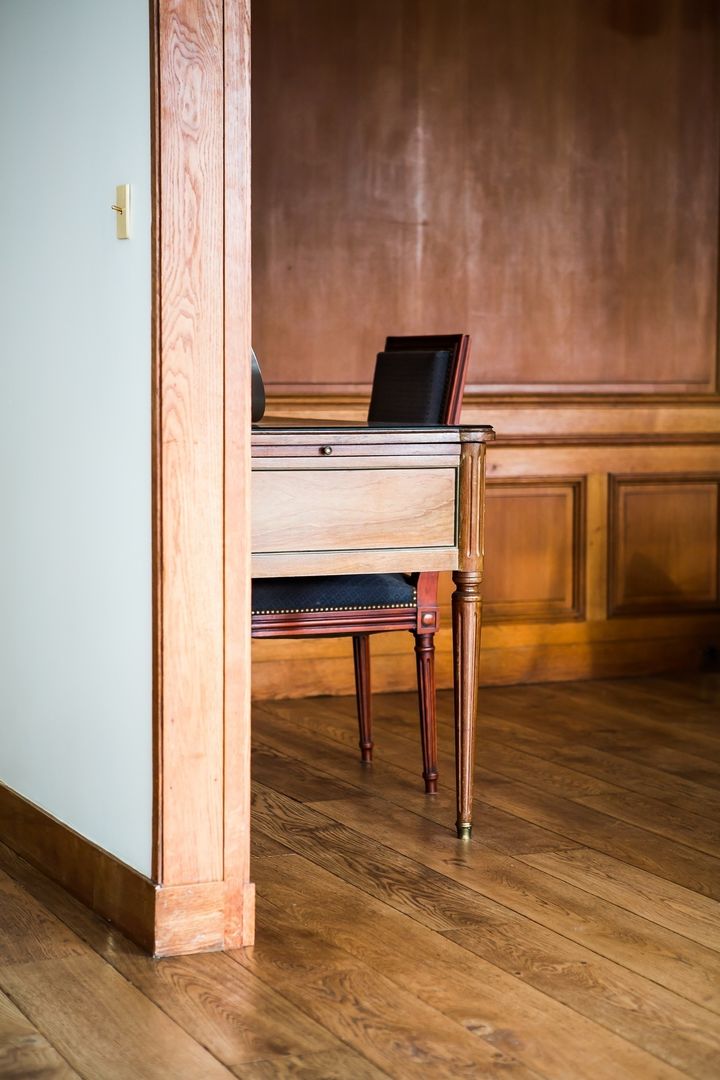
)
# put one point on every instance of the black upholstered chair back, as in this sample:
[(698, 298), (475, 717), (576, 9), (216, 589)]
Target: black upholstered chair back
[(419, 380), (409, 387)]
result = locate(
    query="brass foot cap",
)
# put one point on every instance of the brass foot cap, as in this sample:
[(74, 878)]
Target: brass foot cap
[(464, 830)]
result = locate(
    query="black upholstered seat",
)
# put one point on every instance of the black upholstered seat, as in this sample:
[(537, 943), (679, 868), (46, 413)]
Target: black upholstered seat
[(417, 380), (344, 592)]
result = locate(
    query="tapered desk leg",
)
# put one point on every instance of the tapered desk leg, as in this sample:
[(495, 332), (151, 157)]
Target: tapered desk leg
[(466, 609)]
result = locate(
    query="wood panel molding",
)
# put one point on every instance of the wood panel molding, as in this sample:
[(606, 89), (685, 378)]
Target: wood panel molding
[(535, 544), (545, 420), (664, 549)]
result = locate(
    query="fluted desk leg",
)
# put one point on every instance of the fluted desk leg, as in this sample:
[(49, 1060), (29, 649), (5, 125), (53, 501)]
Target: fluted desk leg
[(466, 608)]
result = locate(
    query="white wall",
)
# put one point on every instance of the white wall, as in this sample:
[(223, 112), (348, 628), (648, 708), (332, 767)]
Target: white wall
[(75, 541)]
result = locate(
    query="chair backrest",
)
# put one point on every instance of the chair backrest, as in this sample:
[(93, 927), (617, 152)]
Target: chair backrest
[(420, 380), (257, 387)]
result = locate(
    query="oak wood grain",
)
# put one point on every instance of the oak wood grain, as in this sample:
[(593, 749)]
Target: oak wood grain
[(232, 1013), (647, 949), (397, 1032), (639, 847), (535, 550), (395, 782), (691, 829), (493, 1004), (661, 714), (686, 912), (102, 1025), (635, 776), (386, 948), (27, 931), (357, 560), (624, 1001), (681, 1034), (24, 1052), (329, 1064)]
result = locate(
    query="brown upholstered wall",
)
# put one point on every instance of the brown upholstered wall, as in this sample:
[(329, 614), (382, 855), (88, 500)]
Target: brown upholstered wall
[(544, 176)]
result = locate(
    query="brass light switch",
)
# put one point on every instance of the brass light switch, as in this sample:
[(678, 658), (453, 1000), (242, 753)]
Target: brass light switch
[(122, 207)]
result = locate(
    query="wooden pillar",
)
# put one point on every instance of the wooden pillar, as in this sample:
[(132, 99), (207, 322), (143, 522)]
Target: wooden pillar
[(201, 474)]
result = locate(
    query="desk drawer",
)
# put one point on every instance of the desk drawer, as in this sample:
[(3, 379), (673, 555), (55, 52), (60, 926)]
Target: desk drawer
[(303, 510)]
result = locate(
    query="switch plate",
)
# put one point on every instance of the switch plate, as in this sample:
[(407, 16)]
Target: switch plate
[(122, 210)]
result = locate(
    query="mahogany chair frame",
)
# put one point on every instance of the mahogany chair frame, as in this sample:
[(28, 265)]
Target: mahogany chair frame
[(421, 620)]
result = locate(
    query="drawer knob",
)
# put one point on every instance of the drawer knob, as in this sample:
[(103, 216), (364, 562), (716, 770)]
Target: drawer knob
[(326, 450)]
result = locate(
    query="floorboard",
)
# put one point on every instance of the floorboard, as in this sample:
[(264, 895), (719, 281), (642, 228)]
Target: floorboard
[(577, 936)]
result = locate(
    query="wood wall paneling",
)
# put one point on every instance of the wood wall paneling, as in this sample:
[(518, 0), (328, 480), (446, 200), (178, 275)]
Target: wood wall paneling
[(534, 547), (544, 177), (664, 543), (531, 639)]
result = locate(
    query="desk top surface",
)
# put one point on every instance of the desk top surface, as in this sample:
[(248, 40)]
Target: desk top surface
[(274, 425)]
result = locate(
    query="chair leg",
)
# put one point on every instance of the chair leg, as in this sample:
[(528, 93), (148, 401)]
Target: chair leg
[(425, 655), (361, 656)]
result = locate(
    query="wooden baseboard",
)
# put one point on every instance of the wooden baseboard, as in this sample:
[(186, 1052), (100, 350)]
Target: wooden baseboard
[(164, 921), (540, 652), (107, 886)]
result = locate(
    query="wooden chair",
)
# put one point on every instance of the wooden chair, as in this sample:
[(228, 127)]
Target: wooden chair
[(418, 380)]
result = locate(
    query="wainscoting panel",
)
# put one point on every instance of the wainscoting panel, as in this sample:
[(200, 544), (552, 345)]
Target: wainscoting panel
[(663, 544), (590, 515), (534, 541)]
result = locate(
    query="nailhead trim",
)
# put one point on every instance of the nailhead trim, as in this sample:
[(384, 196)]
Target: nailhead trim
[(310, 610)]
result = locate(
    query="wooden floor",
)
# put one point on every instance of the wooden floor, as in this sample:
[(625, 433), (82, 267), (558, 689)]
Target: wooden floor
[(578, 935)]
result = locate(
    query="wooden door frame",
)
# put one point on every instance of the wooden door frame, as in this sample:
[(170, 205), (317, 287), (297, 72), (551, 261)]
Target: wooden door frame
[(201, 470), (199, 895)]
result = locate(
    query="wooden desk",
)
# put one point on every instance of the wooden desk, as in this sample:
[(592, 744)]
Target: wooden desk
[(349, 498)]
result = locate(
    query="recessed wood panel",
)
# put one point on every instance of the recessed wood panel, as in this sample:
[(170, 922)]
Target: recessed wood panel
[(663, 544), (189, 451), (299, 511), (534, 550), (543, 176)]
